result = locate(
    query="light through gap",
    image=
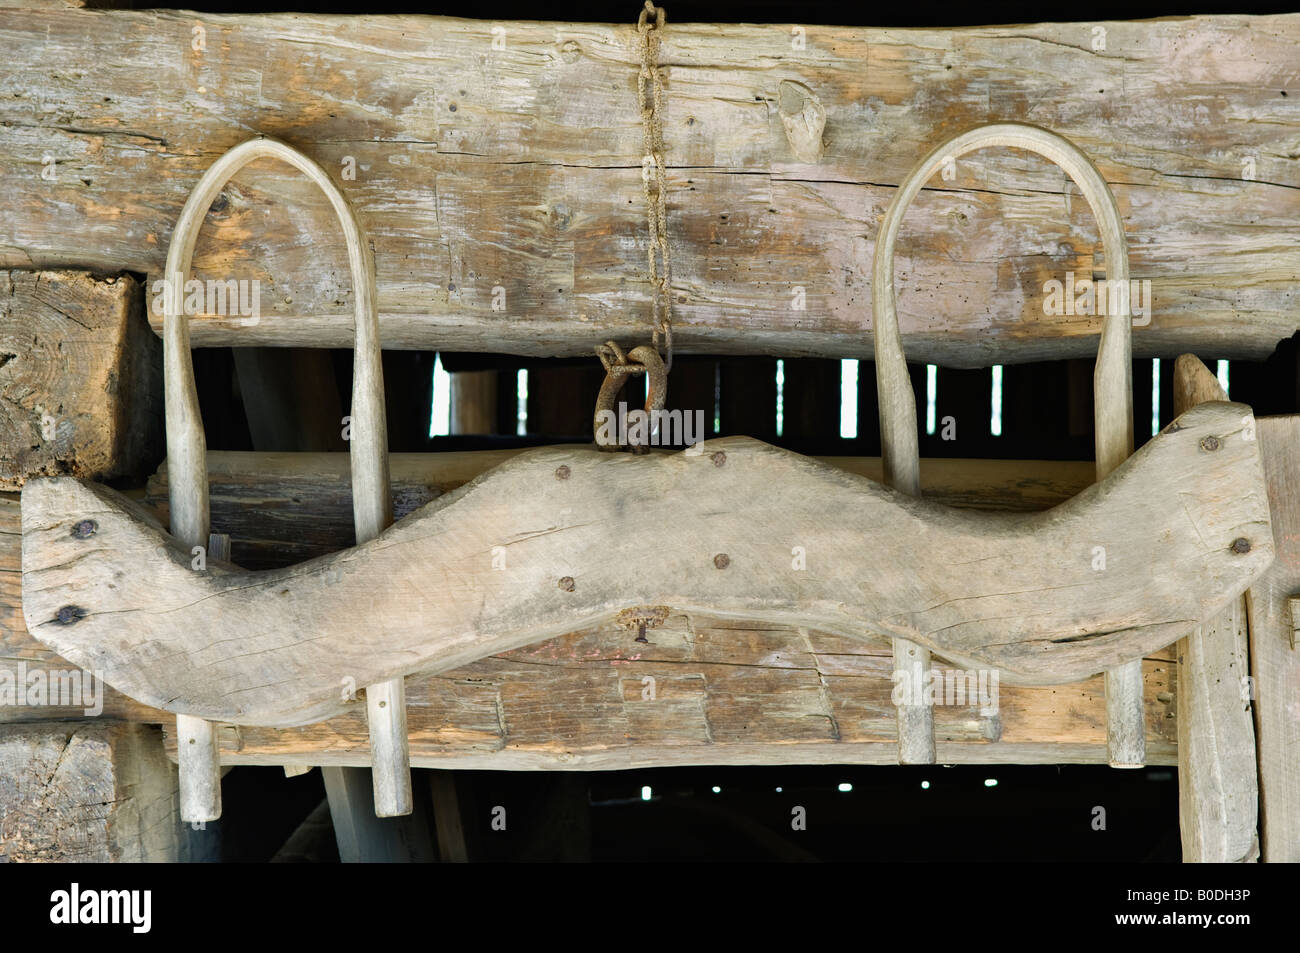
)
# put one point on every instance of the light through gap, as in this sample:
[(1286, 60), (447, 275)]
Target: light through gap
[(931, 395), (440, 417), (1222, 371), (848, 399), (995, 413), (717, 398), (780, 396), (521, 396), (1155, 396)]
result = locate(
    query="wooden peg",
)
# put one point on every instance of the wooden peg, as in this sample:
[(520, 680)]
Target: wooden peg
[(804, 119)]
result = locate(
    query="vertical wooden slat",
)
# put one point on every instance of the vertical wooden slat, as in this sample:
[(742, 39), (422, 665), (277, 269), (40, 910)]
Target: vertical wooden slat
[(473, 402), (1272, 604)]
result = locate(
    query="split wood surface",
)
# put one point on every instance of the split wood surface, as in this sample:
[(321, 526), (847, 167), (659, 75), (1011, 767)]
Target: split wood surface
[(80, 389)]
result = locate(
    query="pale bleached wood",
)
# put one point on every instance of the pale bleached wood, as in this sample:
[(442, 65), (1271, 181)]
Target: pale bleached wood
[(519, 167), (200, 767), (80, 391), (1274, 659), (427, 594), (1218, 792), (285, 508), (723, 691), (368, 446), (390, 756), (200, 770), (915, 718), (804, 119), (1112, 387)]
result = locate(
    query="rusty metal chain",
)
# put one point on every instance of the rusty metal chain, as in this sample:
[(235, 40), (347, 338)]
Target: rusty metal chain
[(654, 176), (654, 179), (618, 368)]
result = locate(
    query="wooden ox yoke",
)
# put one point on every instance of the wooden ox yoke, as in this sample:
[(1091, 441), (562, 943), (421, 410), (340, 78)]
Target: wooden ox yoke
[(531, 550)]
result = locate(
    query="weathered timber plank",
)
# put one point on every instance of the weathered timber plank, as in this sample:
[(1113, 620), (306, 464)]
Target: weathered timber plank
[(518, 168), (706, 693), (1274, 658), (535, 548), (87, 793), (1218, 792), (80, 384)]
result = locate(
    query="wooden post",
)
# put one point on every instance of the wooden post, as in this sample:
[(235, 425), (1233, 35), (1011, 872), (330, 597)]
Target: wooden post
[(1272, 604), (80, 377), (87, 792)]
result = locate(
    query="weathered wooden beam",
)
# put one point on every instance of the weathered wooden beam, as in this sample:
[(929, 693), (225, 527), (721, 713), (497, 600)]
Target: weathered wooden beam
[(708, 692), (271, 648), (362, 835), (80, 385), (1274, 657), (1218, 794), (284, 508), (498, 171), (87, 792), (724, 695)]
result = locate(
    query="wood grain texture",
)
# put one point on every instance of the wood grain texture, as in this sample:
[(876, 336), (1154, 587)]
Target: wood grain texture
[(284, 508), (519, 168), (705, 691), (1274, 660), (80, 383), (430, 593), (1218, 791), (744, 688), (86, 793)]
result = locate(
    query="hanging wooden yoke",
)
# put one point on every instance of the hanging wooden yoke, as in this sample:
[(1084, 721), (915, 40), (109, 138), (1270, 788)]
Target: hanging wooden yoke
[(1112, 390), (1183, 523), (368, 445)]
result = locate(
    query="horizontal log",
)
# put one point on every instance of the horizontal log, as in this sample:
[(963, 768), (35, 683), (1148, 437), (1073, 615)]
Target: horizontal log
[(704, 692), (497, 168), (80, 377)]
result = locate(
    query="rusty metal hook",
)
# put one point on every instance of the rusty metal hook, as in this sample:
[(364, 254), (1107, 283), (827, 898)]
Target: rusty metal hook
[(618, 368)]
